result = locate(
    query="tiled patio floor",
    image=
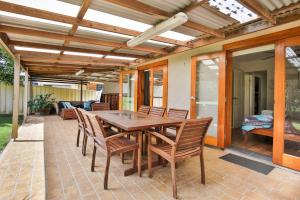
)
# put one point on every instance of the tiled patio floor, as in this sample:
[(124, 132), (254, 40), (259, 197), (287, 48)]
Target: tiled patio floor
[(68, 174), (22, 169)]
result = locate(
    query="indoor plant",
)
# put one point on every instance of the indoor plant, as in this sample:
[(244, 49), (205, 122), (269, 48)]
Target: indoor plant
[(41, 104)]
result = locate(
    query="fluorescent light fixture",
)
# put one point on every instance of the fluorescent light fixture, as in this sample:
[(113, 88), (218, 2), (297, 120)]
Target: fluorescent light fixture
[(83, 54), (79, 72), (169, 24), (234, 9), (19, 48), (120, 57)]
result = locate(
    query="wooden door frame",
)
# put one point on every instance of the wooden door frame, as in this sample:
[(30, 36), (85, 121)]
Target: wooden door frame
[(219, 141), (135, 73), (161, 65), (279, 157)]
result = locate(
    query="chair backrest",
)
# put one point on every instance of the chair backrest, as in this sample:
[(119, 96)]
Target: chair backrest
[(144, 109), (100, 106), (97, 128), (78, 116), (192, 133), (157, 111), (177, 113), (84, 118)]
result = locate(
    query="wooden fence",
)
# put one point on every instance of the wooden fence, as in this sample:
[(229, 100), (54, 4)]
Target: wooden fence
[(60, 94)]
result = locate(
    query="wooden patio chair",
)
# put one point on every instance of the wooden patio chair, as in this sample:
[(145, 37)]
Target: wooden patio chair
[(157, 111), (100, 106), (178, 114), (112, 144), (144, 109), (80, 125), (87, 130), (189, 142)]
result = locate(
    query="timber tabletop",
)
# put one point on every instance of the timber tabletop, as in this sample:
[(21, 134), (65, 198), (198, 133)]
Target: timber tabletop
[(133, 121)]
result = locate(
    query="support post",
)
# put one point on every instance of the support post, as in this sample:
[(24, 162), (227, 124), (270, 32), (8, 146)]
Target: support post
[(81, 91), (26, 91), (16, 97)]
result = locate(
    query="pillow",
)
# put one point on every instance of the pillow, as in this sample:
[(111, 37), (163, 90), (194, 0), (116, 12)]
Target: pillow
[(88, 105), (67, 105)]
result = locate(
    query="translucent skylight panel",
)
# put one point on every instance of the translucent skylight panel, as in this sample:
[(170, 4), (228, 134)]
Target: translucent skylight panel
[(19, 48), (83, 54), (234, 9), (104, 32), (160, 43), (49, 5), (177, 36), (120, 57), (7, 14), (114, 20)]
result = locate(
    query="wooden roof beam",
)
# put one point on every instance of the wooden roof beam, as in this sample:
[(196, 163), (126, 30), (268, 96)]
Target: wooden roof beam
[(259, 9), (163, 15), (33, 12), (75, 49), (58, 36)]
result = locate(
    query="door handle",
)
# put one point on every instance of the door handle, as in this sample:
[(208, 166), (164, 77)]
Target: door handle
[(193, 98)]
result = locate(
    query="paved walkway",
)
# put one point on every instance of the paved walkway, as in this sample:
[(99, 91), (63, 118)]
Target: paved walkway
[(22, 169)]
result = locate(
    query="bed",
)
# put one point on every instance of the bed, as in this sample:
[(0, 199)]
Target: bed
[(263, 125)]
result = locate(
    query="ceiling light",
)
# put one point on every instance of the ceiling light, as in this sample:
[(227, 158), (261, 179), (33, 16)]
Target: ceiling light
[(120, 57), (83, 54), (79, 72), (19, 48), (167, 25)]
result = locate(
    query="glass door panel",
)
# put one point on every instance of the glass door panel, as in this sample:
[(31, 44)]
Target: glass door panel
[(292, 101), (207, 92), (128, 91), (158, 87)]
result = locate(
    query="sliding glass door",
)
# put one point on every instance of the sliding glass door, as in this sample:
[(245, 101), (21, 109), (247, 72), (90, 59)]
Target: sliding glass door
[(207, 94), (287, 104), (128, 90)]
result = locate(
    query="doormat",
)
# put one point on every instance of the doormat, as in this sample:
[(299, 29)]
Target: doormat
[(250, 164)]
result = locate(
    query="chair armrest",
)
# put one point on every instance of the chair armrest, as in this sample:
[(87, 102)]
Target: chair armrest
[(114, 136), (164, 138)]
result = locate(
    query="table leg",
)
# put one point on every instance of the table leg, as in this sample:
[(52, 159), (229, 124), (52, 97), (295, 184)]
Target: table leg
[(139, 164)]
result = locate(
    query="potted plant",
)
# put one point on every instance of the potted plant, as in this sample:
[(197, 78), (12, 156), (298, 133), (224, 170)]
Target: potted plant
[(41, 104)]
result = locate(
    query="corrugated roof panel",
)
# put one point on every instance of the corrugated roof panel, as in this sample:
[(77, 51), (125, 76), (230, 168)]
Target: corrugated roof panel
[(26, 38), (142, 53), (187, 31), (170, 6), (33, 24), (205, 17), (90, 46), (277, 4), (104, 6), (101, 36)]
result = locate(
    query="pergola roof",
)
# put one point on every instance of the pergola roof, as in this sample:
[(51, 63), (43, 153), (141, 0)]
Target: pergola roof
[(103, 27)]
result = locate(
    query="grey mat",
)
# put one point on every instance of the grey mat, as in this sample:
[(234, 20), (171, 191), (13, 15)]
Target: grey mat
[(250, 164)]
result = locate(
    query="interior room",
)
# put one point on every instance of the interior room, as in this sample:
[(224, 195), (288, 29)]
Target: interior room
[(253, 95)]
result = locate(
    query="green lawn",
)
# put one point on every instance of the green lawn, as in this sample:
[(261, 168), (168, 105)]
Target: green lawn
[(5, 129)]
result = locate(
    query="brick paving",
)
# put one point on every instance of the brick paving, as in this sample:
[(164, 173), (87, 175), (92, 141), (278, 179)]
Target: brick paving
[(68, 174)]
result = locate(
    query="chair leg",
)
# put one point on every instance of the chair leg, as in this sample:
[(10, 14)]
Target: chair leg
[(106, 171), (149, 162), (93, 159), (174, 179), (122, 158), (78, 137), (202, 168), (83, 144)]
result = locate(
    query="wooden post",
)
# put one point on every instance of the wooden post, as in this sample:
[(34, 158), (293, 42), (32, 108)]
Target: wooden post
[(16, 97), (81, 91), (26, 90)]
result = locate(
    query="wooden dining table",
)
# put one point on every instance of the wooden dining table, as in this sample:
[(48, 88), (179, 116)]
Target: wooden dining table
[(136, 123)]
